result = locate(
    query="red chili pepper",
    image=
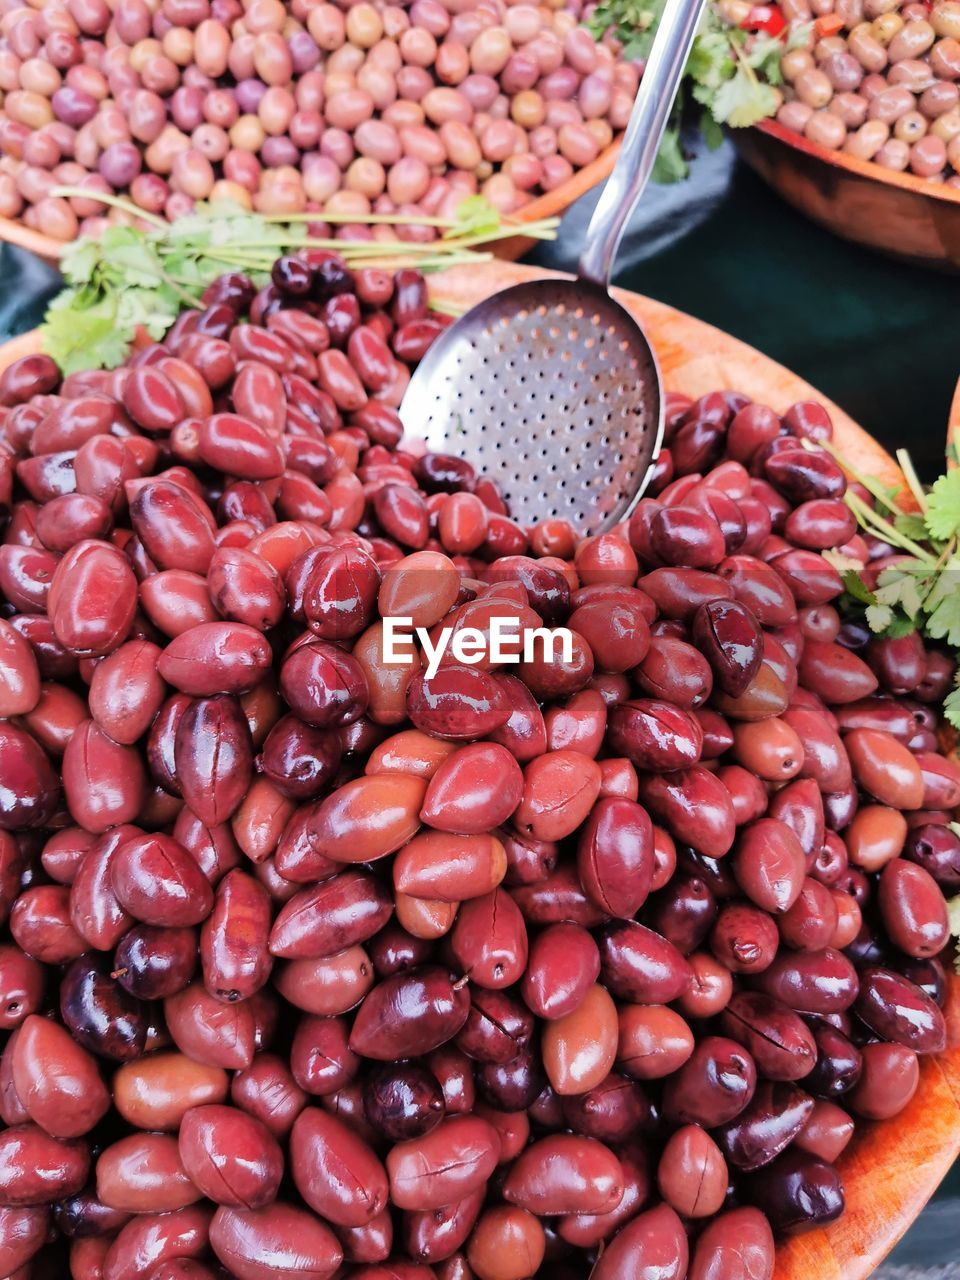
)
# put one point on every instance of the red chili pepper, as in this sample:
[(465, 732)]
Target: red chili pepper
[(764, 17), (828, 25)]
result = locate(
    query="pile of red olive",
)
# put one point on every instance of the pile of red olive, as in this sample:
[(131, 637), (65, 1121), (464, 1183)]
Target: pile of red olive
[(315, 964)]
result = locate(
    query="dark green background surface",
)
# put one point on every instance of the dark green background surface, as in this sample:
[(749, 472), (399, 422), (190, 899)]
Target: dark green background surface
[(880, 338)]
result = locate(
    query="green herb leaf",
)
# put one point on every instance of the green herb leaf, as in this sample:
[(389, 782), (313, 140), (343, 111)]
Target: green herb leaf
[(763, 54), (670, 165), (730, 72), (855, 586), (89, 338), (943, 507), (475, 216), (900, 625), (710, 61), (879, 617), (912, 525), (953, 921), (902, 588), (742, 101), (711, 131)]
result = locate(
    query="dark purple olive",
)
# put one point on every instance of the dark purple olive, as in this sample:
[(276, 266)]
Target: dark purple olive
[(779, 1040), (497, 1027), (898, 1010), (838, 1065), (403, 1101), (513, 1085), (797, 1193), (99, 1013), (614, 1111), (713, 1086), (937, 850), (729, 637), (152, 963), (774, 1117)]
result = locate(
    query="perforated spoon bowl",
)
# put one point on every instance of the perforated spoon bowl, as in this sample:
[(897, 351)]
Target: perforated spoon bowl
[(551, 388)]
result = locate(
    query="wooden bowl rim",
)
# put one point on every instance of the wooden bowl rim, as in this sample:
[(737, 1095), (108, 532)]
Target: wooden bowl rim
[(865, 169)]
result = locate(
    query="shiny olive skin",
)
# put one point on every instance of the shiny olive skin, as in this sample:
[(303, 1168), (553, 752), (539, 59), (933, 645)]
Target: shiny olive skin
[(335, 1170), (152, 961), (891, 1005), (57, 1081), (615, 856), (824, 982), (736, 1245), (779, 1040), (563, 963), (912, 908), (450, 1162), (729, 635), (338, 913), (565, 1173), (37, 1169), (610, 1111), (838, 1065), (639, 965), (258, 1243), (143, 1173), (797, 1192), (775, 1116), (497, 1027), (403, 1101), (692, 1174), (409, 1014), (694, 806), (654, 1242), (230, 1156), (889, 1078), (713, 1086), (100, 1014)]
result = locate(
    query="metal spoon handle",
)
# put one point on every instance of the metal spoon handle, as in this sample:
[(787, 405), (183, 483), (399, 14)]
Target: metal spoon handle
[(648, 120)]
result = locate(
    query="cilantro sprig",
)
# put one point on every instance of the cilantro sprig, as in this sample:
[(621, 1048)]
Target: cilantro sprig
[(731, 77), (141, 276), (921, 590)]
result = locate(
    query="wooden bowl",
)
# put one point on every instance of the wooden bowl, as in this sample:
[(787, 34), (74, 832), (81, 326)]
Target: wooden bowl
[(898, 213), (551, 204), (890, 1170)]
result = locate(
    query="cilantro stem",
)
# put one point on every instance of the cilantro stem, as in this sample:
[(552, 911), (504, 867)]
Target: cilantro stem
[(368, 219), (912, 479), (187, 298), (869, 519), (873, 487), (115, 202)]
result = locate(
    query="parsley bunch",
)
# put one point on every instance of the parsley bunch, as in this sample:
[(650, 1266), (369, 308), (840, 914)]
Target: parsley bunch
[(921, 592), (731, 76), (130, 278)]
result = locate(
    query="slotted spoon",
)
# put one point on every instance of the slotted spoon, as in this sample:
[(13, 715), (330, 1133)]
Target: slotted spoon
[(551, 388)]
